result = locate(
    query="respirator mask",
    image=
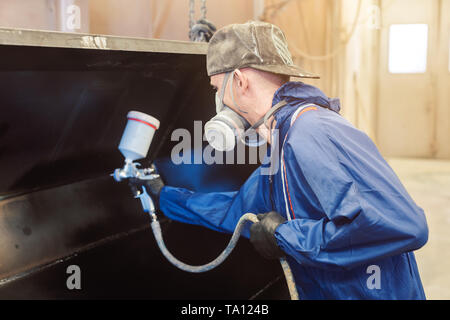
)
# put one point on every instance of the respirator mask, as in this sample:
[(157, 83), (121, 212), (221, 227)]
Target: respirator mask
[(224, 129)]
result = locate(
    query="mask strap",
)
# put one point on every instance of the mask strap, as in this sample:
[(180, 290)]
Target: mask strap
[(266, 117), (274, 109), (222, 94)]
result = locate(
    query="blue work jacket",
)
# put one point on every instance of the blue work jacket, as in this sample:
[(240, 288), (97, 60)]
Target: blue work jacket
[(351, 225)]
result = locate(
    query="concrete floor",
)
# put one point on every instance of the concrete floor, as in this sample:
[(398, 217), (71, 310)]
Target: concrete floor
[(428, 182)]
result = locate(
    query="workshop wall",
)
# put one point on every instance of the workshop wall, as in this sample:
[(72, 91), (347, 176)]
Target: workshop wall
[(162, 19), (349, 44), (346, 42), (407, 113)]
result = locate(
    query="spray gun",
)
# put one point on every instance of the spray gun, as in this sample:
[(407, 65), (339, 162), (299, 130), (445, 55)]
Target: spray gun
[(134, 145)]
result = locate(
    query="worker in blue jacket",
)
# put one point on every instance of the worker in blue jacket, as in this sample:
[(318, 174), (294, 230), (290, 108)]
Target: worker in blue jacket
[(326, 198)]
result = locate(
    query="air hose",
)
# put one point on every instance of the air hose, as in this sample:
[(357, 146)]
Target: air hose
[(134, 145), (225, 253)]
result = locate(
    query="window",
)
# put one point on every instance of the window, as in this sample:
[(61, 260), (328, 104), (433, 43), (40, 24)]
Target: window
[(408, 48)]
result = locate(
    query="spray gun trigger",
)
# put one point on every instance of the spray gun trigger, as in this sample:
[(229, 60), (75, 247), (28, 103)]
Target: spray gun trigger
[(146, 201), (134, 189)]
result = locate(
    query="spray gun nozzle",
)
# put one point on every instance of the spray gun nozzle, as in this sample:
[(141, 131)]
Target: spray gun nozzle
[(137, 178)]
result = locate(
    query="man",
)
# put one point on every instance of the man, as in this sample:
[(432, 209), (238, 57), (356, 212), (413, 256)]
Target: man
[(334, 207)]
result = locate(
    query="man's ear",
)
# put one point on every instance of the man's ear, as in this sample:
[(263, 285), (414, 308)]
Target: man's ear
[(241, 80)]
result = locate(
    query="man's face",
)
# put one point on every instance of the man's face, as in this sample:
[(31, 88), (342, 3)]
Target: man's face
[(216, 82), (246, 101)]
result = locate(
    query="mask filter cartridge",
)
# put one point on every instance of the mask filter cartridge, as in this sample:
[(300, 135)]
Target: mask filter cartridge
[(221, 131)]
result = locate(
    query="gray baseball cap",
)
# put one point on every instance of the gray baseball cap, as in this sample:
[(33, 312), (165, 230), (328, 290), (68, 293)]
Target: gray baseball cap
[(254, 44)]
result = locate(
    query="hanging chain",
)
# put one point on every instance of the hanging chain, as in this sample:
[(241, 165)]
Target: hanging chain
[(203, 9), (201, 30), (191, 13)]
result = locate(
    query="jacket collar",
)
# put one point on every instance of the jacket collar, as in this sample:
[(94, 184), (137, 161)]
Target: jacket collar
[(296, 93)]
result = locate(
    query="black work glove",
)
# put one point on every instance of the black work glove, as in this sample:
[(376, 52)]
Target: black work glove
[(262, 235), (153, 187)]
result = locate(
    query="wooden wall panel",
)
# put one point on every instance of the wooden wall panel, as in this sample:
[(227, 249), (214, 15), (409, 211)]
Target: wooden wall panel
[(443, 82), (162, 19), (37, 14), (406, 111), (308, 26), (358, 65), (407, 115)]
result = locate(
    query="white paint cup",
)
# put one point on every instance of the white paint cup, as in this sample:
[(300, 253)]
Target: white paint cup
[(138, 135)]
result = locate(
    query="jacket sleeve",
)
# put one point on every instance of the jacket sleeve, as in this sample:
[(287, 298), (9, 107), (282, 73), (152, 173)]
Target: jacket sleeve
[(366, 214), (217, 210)]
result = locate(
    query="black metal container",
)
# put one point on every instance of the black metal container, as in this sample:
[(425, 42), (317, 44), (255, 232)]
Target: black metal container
[(63, 105)]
